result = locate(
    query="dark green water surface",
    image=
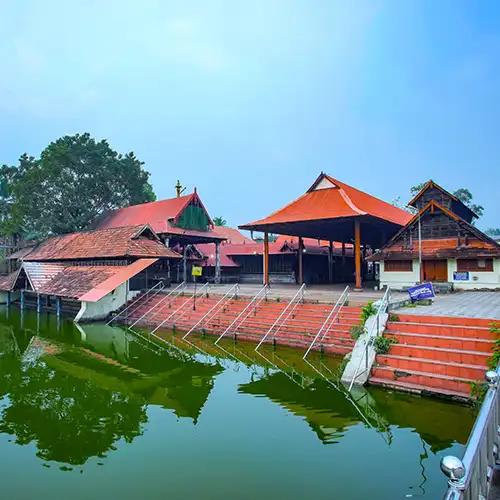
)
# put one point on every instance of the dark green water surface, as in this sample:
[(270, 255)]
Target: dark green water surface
[(92, 411)]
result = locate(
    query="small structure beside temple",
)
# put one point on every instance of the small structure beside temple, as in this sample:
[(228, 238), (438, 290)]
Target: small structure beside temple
[(88, 274), (440, 245)]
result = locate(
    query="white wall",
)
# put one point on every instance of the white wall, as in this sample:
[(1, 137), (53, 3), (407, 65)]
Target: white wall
[(103, 307), (476, 279), (399, 279)]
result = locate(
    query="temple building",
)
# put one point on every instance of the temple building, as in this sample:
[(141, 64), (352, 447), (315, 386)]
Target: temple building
[(332, 211), (180, 223), (440, 245), (89, 274)]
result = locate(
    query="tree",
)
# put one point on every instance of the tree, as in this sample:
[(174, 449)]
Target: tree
[(75, 180), (219, 221), (494, 232), (463, 194)]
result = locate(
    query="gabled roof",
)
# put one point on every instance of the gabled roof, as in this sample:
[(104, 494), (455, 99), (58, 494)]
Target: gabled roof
[(432, 185), (207, 250), (128, 241), (8, 281), (329, 198), (158, 214), (433, 246), (231, 234)]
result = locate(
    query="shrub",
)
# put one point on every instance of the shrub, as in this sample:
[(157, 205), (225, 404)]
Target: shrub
[(383, 344), (494, 359), (478, 391), (367, 311), (357, 330), (393, 317)]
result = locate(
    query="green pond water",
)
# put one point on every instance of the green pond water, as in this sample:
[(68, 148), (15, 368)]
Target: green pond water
[(93, 411)]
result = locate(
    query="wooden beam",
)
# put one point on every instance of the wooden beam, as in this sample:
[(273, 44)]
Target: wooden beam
[(301, 263), (330, 262), (265, 262), (357, 252)]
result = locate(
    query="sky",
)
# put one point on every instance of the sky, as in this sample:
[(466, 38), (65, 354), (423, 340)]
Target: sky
[(250, 100)]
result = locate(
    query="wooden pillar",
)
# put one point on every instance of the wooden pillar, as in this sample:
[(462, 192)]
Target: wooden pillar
[(301, 261), (357, 253), (265, 261), (184, 264), (217, 263), (22, 300), (330, 262), (38, 303), (58, 307), (8, 299)]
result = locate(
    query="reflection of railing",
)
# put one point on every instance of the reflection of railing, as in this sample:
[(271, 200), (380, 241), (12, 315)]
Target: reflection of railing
[(330, 319), (285, 314), (154, 290), (168, 299), (382, 308), (243, 315), (470, 478), (213, 311), (181, 310)]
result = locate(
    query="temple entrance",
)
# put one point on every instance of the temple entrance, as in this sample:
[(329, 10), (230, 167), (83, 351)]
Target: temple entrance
[(435, 270)]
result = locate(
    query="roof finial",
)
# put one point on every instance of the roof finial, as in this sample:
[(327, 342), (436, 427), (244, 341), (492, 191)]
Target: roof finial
[(195, 189), (179, 188)]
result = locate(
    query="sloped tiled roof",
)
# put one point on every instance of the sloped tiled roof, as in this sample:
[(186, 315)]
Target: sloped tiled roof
[(328, 198), (232, 235), (40, 273), (129, 241), (161, 216), (7, 281), (208, 251)]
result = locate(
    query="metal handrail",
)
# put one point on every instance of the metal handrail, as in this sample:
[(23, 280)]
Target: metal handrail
[(384, 303), (334, 312), (177, 290), (470, 478), (233, 291), (246, 311), (300, 293), (140, 297), (187, 301)]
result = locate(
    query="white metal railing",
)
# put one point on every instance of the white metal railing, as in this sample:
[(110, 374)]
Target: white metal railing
[(200, 291), (170, 295), (214, 310), (330, 319), (157, 288), (382, 308), (243, 315), (285, 314), (470, 478)]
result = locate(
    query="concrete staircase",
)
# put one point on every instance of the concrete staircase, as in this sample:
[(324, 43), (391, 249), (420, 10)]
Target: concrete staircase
[(299, 330), (436, 354)]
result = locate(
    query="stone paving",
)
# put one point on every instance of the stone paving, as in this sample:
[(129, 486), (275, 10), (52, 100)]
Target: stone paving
[(462, 304), (320, 293)]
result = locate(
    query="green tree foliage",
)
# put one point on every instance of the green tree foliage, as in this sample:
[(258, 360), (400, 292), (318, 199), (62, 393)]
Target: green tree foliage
[(75, 180), (494, 232), (220, 221), (463, 194)]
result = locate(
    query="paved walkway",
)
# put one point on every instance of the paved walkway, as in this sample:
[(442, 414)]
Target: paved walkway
[(320, 293), (463, 304)]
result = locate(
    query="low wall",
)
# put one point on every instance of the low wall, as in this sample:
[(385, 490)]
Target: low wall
[(93, 311)]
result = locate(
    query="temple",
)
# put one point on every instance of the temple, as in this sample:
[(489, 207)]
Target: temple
[(440, 245), (331, 210)]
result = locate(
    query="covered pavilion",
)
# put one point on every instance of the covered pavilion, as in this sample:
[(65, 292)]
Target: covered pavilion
[(333, 211)]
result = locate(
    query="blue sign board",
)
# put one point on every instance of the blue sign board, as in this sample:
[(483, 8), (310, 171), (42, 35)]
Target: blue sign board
[(419, 292), (461, 276)]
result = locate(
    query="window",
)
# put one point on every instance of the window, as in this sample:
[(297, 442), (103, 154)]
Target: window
[(398, 265), (476, 265)]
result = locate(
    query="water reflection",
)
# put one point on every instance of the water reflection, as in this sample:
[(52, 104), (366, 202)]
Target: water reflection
[(76, 391)]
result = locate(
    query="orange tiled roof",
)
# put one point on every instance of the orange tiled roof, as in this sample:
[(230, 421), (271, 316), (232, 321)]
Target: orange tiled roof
[(208, 251), (328, 198), (129, 241), (7, 281), (231, 234)]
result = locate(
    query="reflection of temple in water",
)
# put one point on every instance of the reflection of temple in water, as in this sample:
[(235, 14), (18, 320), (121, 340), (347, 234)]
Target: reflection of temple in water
[(76, 400)]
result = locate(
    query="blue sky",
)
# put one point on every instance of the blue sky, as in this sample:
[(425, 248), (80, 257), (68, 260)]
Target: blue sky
[(250, 100)]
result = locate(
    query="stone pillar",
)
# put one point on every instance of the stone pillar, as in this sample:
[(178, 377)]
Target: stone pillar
[(58, 307), (217, 263)]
